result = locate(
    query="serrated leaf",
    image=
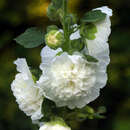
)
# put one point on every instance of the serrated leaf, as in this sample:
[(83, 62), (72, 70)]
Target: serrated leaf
[(93, 16), (31, 38), (90, 58)]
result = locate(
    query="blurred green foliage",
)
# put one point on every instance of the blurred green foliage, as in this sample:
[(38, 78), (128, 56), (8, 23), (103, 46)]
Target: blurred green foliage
[(15, 18)]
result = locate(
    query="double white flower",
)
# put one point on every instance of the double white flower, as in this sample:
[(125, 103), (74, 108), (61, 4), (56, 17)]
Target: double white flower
[(71, 81), (24, 89)]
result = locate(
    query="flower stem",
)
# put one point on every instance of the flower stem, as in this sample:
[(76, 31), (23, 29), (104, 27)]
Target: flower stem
[(65, 24)]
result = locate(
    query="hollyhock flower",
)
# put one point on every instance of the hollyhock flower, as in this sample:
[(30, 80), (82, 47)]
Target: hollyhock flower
[(27, 95), (54, 126), (99, 47), (69, 80)]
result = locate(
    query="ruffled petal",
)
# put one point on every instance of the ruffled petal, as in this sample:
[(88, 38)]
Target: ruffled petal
[(48, 54), (27, 94), (99, 47), (75, 35), (71, 81)]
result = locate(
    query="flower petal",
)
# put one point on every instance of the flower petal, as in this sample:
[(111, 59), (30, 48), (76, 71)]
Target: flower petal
[(27, 94), (99, 47), (48, 54)]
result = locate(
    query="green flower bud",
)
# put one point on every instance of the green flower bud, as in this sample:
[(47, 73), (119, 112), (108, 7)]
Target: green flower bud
[(54, 39)]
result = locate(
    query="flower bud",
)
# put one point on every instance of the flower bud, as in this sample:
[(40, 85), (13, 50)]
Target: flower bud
[(54, 39)]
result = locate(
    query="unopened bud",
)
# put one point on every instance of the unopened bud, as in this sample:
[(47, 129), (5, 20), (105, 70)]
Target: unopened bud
[(54, 39)]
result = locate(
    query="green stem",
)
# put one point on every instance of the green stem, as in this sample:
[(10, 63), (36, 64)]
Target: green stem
[(64, 16), (65, 25)]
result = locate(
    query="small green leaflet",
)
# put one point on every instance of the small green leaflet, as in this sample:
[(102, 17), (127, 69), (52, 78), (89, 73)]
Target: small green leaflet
[(88, 31), (93, 16), (90, 58), (31, 38), (77, 45)]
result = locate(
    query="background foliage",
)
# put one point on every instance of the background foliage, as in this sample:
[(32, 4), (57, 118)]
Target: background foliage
[(17, 15)]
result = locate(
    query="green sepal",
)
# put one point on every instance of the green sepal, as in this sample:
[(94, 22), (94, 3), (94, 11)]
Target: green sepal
[(36, 73), (90, 58), (59, 53), (93, 16), (52, 27), (88, 31), (31, 38)]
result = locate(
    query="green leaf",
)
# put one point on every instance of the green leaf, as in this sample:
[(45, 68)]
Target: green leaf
[(77, 44), (90, 58), (88, 31), (52, 27), (93, 16), (31, 38)]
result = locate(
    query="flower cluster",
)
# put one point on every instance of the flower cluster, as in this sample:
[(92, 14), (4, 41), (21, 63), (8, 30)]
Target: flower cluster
[(73, 66)]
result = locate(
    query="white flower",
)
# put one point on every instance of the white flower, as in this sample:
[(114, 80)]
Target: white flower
[(51, 126), (99, 47), (27, 95), (69, 80)]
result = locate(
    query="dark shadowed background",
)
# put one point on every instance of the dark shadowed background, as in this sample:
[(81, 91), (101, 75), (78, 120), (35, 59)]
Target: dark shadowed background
[(18, 15)]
